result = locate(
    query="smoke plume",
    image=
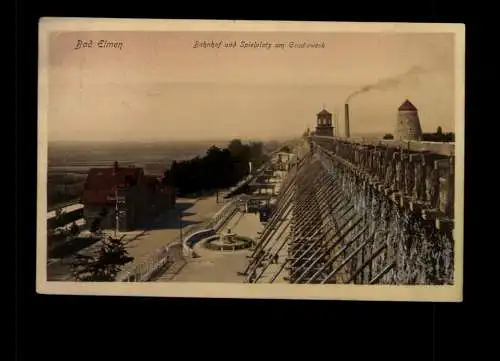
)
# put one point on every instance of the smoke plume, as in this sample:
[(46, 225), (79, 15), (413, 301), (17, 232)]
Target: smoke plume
[(390, 83)]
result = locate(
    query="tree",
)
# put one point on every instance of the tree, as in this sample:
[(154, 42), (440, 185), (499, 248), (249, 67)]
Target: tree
[(438, 137), (235, 147), (439, 131), (218, 169), (104, 265), (285, 149), (388, 136)]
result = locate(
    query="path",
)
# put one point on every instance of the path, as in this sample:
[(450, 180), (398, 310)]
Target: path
[(279, 246), (219, 266)]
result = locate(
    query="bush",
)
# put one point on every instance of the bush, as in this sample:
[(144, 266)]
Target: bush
[(105, 264)]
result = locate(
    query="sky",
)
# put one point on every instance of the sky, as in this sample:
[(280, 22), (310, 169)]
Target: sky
[(157, 86)]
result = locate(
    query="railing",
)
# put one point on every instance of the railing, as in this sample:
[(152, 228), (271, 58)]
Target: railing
[(249, 177), (162, 258), (176, 251)]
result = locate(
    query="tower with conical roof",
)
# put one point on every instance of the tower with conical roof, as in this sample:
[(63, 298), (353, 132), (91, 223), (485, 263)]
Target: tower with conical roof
[(324, 123), (408, 124)]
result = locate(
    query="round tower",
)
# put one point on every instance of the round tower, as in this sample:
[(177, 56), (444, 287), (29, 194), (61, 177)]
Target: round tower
[(408, 124)]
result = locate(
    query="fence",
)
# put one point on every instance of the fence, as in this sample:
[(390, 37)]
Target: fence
[(166, 256)]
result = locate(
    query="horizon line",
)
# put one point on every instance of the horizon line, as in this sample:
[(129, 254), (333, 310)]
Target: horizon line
[(164, 140)]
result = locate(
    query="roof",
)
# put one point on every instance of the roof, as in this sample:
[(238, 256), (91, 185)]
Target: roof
[(102, 182), (407, 105), (324, 112)]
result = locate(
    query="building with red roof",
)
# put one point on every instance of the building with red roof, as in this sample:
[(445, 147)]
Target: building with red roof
[(126, 192)]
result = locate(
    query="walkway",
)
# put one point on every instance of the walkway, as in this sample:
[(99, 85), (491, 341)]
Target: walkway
[(275, 245), (216, 266)]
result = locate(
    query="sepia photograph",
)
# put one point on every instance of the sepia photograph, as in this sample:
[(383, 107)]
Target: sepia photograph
[(251, 159)]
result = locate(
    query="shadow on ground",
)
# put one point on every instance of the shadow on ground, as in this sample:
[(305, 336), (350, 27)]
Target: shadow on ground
[(171, 223), (174, 218), (182, 206)]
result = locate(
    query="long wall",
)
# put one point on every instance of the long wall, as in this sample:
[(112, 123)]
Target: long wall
[(419, 175), (446, 149), (394, 207)]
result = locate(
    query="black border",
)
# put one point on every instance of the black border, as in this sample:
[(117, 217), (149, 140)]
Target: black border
[(61, 327)]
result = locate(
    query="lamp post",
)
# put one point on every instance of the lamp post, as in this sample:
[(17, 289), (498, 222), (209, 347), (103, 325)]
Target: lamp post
[(180, 233), (119, 211), (117, 215), (180, 223)]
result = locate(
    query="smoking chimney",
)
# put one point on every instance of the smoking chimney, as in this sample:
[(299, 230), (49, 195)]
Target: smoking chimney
[(347, 132)]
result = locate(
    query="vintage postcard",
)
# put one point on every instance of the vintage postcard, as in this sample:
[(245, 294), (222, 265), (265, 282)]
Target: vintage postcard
[(251, 159)]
